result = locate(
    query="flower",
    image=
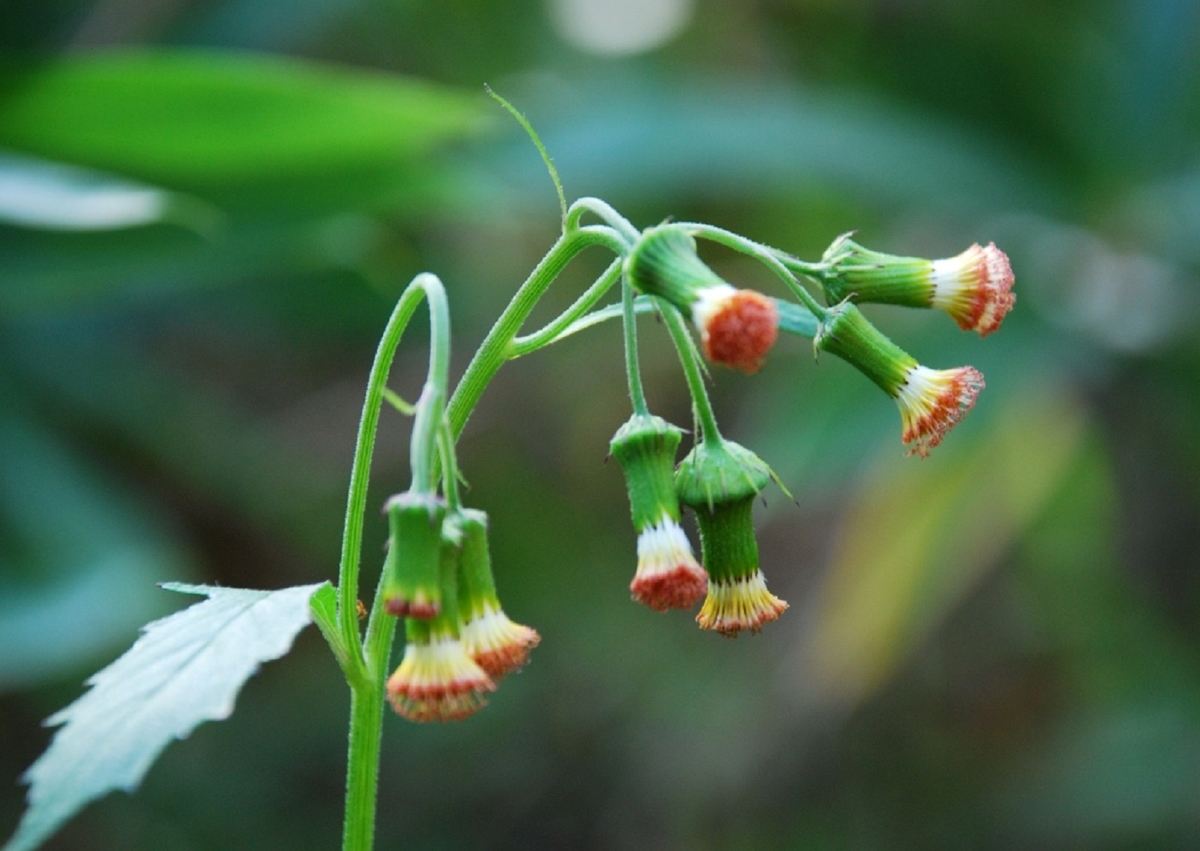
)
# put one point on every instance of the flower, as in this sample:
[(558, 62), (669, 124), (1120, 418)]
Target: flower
[(719, 480), (437, 680), (495, 642), (931, 401), (974, 287), (668, 575), (740, 603), (737, 327)]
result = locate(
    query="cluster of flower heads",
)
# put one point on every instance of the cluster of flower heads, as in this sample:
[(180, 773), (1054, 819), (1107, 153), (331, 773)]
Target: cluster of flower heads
[(439, 576), (719, 479), (459, 640)]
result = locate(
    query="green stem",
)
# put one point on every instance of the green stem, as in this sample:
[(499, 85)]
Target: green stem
[(763, 253), (497, 346), (691, 371), (366, 732), (606, 214), (367, 665), (637, 394), (545, 336), (423, 286), (449, 467)]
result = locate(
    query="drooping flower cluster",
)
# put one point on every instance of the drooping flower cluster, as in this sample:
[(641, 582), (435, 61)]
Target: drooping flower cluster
[(453, 658), (460, 641)]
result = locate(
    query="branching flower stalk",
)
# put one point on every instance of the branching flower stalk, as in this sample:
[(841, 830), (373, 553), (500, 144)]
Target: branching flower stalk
[(659, 271)]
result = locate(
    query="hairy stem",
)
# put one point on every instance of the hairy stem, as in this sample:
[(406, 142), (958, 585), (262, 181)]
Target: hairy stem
[(691, 370)]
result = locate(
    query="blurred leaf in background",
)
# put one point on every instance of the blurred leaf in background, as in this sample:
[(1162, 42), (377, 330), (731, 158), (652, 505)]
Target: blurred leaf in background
[(207, 209)]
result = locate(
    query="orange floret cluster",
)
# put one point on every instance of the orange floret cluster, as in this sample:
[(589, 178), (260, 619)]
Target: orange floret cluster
[(932, 401), (668, 575), (737, 327), (438, 681), (498, 644), (737, 604), (974, 288)]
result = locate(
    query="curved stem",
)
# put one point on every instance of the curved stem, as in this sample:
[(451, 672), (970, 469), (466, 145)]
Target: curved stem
[(604, 211), (423, 286), (691, 370), (637, 394), (431, 405), (497, 345), (551, 331), (764, 254)]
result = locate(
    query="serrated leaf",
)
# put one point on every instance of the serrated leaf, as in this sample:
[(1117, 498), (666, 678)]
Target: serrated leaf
[(185, 669)]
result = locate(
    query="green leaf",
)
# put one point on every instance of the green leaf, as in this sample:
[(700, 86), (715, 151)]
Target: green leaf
[(229, 123), (186, 668)]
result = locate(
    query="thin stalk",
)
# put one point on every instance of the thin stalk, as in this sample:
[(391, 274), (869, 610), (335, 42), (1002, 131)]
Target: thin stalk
[(637, 394), (449, 467), (423, 286), (691, 371), (763, 253), (497, 346), (550, 332), (366, 731), (604, 211)]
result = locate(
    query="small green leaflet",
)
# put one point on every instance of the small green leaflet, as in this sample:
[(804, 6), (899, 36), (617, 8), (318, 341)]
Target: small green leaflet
[(184, 669)]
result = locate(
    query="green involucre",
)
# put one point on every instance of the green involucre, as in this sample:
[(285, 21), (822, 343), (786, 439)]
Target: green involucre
[(664, 263), (645, 446), (413, 583), (847, 334)]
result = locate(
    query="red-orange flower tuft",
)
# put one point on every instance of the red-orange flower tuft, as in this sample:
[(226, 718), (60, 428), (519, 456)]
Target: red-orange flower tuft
[(738, 327), (438, 681), (933, 401), (975, 288), (498, 644), (668, 575)]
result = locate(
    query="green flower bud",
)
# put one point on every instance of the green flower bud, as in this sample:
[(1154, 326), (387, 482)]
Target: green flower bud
[(496, 643), (737, 327), (412, 586), (668, 575), (719, 482), (931, 401)]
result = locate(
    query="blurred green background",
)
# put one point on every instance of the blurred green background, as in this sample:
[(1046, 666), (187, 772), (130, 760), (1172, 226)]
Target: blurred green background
[(208, 208)]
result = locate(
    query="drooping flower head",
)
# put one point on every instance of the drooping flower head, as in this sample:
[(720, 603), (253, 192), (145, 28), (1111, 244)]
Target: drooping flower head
[(437, 680), (719, 480), (412, 584), (737, 327), (931, 401), (668, 575), (974, 287), (496, 643)]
